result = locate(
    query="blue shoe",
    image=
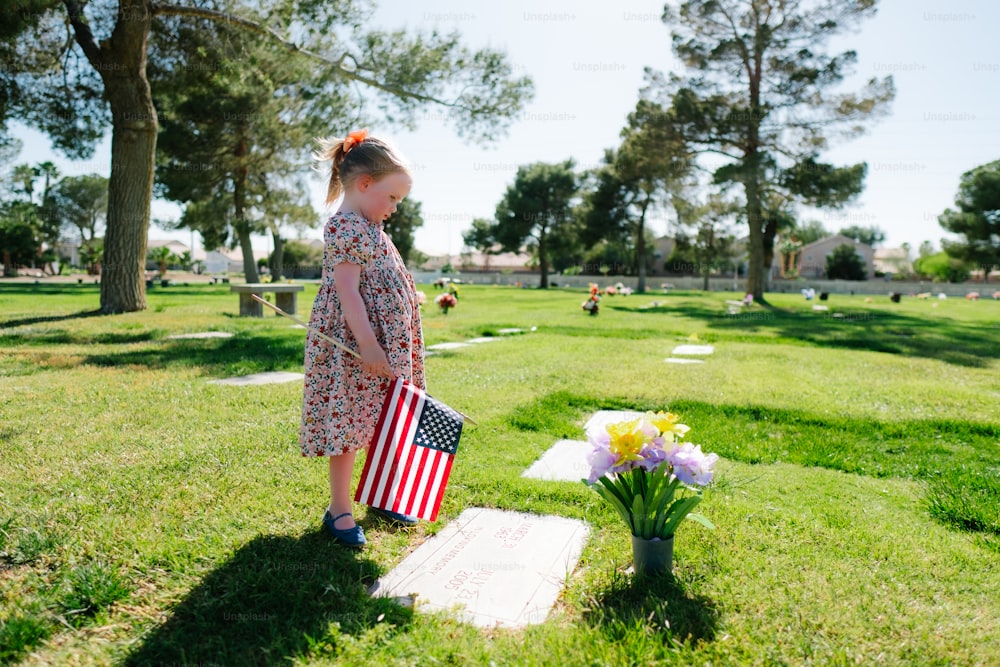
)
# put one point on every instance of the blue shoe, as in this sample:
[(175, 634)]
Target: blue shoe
[(394, 517), (349, 537)]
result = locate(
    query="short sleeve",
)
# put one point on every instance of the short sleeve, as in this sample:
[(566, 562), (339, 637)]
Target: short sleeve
[(348, 239)]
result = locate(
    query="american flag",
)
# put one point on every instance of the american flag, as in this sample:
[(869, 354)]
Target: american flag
[(410, 454)]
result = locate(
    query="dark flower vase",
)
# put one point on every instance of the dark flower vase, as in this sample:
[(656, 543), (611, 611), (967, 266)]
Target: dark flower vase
[(653, 557)]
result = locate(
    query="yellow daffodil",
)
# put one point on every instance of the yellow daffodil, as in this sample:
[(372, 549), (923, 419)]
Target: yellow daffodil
[(666, 423), (627, 439)]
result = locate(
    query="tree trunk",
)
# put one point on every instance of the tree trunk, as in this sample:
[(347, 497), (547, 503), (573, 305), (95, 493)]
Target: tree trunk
[(755, 260), (640, 249), (770, 232), (752, 175), (277, 264), (122, 66), (9, 270), (242, 225), (543, 259), (246, 248)]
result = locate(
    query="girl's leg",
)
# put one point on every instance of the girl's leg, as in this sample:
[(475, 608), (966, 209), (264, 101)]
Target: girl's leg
[(341, 470)]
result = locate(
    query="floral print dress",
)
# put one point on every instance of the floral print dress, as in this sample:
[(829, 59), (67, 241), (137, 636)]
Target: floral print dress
[(341, 403)]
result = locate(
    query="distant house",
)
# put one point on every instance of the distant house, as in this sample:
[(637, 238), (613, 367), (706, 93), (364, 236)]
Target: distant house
[(69, 251), (225, 260), (893, 261), (663, 247), (812, 257), (177, 248), (475, 261), (504, 261), (217, 261)]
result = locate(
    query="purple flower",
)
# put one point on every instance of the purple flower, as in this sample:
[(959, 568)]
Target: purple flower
[(601, 459), (652, 456), (691, 465)]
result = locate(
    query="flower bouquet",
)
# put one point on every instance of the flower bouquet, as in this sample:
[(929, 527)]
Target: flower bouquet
[(590, 305), (653, 480), (446, 301)]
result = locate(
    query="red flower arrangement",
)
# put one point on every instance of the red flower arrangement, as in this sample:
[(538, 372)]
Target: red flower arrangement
[(446, 301)]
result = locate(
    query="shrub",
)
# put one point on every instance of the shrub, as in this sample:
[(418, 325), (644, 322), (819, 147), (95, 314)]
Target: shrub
[(845, 263)]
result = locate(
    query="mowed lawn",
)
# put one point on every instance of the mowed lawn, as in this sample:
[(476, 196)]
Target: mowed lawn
[(149, 517)]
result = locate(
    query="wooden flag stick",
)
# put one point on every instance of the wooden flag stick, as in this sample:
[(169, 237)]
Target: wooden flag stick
[(332, 341)]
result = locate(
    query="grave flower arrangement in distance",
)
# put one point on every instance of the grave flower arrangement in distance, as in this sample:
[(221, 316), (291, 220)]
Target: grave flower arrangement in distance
[(652, 479), (446, 301), (591, 304)]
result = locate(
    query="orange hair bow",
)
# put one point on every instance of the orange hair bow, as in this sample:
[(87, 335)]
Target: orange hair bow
[(354, 138)]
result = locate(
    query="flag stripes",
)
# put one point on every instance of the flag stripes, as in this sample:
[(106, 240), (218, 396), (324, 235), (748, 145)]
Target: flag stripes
[(411, 452)]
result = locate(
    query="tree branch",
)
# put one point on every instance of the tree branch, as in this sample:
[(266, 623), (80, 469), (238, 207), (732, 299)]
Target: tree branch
[(348, 72), (82, 33)]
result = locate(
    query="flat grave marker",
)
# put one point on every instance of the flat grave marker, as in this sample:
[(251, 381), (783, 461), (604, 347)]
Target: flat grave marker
[(446, 346), (494, 568), (566, 460), (273, 377), (697, 350), (200, 335), (602, 418)]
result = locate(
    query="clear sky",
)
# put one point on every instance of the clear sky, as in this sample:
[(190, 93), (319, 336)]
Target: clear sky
[(587, 61)]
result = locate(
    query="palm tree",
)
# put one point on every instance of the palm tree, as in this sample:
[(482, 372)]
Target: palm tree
[(162, 256), (91, 254)]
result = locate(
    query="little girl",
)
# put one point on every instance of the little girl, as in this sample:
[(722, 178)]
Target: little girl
[(368, 301)]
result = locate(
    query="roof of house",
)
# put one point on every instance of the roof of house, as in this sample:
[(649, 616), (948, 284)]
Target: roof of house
[(836, 238), (171, 243)]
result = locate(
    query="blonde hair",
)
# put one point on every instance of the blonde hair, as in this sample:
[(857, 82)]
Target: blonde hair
[(370, 156)]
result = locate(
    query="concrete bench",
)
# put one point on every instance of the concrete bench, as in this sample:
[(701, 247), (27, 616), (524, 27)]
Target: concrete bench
[(286, 297)]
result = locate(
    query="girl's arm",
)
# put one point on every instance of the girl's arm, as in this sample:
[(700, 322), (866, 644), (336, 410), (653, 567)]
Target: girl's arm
[(347, 278)]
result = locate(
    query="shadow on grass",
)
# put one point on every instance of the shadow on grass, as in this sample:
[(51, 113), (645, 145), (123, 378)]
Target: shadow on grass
[(960, 343), (656, 605), (958, 459), (243, 353), (42, 319), (64, 337), (274, 599)]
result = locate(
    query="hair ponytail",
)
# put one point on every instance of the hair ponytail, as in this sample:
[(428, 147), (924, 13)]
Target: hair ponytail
[(355, 155), (331, 150)]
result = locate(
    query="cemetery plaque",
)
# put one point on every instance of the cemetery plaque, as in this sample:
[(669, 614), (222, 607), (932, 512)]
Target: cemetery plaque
[(275, 377), (491, 567), (565, 461), (694, 349), (201, 334), (602, 418), (447, 346)]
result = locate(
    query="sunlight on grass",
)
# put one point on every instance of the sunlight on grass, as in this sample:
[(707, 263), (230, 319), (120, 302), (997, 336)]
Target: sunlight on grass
[(148, 517)]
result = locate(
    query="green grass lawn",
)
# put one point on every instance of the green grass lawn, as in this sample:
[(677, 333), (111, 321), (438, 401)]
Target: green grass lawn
[(148, 517)]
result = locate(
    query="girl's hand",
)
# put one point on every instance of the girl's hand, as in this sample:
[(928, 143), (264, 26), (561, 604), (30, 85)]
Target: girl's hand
[(375, 362)]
